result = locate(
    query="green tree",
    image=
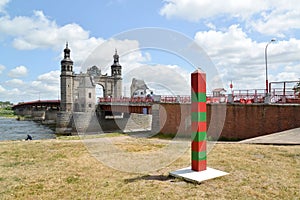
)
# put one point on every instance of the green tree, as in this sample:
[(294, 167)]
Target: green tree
[(297, 88)]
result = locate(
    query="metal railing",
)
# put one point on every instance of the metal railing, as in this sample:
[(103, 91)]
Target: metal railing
[(247, 96), (156, 98), (284, 96), (284, 92)]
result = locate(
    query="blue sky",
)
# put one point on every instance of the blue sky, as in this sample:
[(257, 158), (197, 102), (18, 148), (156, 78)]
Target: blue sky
[(232, 33)]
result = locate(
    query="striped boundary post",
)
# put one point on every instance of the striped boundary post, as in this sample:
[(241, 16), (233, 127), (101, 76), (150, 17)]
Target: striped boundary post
[(198, 114)]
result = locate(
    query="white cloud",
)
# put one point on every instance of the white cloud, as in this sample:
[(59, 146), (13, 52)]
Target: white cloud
[(211, 26), (277, 23), (2, 68), (2, 89), (242, 60), (270, 17), (162, 79), (38, 31), (19, 71), (3, 3), (170, 78), (15, 82), (167, 80), (290, 72), (50, 77), (194, 10), (102, 56), (46, 86)]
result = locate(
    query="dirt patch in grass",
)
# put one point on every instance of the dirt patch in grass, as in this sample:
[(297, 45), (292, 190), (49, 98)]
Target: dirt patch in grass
[(89, 136), (58, 169), (139, 145)]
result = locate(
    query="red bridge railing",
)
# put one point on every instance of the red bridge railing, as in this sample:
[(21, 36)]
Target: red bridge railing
[(125, 100), (249, 96), (161, 99)]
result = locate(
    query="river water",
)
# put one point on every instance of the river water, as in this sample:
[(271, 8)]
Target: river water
[(12, 129)]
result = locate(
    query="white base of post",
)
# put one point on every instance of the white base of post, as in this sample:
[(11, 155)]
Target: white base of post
[(193, 176)]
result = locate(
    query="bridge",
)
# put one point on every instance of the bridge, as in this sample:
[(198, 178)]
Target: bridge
[(170, 114), (140, 105), (47, 109), (39, 110), (78, 94), (143, 105)]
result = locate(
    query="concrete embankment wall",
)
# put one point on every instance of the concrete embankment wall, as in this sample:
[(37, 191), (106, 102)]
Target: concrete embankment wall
[(228, 121), (91, 122)]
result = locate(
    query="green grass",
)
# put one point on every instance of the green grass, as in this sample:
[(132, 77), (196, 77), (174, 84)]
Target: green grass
[(7, 112), (64, 169)]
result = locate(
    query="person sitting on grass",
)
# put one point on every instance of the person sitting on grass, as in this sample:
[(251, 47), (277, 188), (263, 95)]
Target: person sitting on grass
[(28, 137)]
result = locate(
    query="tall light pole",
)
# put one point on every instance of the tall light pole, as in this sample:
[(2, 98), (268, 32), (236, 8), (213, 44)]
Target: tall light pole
[(266, 59)]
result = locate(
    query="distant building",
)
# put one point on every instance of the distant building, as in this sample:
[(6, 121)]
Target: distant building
[(219, 92), (139, 88)]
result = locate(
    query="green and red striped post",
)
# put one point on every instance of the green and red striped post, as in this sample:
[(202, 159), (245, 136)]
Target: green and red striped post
[(198, 110)]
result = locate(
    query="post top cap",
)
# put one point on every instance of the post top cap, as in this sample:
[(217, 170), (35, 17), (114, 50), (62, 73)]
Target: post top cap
[(198, 70)]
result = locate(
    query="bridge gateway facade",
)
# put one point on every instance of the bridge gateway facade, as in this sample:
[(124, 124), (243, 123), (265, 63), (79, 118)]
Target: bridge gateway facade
[(78, 100), (78, 91)]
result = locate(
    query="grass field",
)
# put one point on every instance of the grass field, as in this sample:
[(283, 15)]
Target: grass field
[(64, 169)]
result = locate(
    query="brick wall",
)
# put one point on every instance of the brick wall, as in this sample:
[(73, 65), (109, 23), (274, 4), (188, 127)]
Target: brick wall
[(235, 121), (174, 118)]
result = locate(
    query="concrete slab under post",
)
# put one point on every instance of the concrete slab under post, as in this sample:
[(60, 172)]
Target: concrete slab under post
[(197, 176)]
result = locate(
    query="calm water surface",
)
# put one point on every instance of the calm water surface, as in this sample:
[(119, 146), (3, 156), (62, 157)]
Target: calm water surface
[(12, 129)]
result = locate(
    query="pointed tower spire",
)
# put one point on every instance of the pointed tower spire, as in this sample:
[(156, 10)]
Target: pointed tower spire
[(116, 58), (116, 68), (67, 52), (66, 82), (67, 63)]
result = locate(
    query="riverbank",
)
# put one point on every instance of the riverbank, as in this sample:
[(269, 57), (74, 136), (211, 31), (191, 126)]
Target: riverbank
[(64, 169), (13, 129), (7, 112)]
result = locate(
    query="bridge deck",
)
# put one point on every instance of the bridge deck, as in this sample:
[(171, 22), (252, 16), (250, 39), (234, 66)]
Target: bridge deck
[(38, 103)]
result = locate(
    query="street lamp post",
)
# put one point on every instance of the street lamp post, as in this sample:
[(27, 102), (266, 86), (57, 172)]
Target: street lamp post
[(266, 59)]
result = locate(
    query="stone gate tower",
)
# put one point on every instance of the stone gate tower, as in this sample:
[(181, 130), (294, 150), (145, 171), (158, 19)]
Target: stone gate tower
[(64, 116), (78, 94), (66, 82), (116, 73)]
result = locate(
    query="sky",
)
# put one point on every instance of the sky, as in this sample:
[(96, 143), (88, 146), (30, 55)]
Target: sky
[(231, 34)]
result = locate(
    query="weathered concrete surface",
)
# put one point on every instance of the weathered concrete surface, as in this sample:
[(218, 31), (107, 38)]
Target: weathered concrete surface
[(289, 137)]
